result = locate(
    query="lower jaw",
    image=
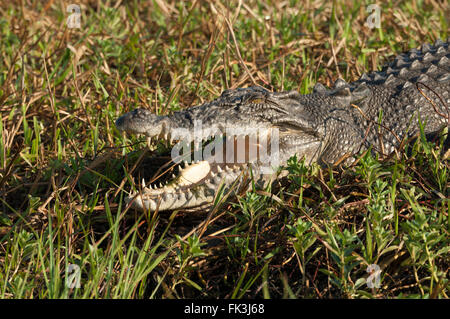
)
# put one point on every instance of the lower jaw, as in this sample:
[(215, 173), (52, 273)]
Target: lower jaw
[(199, 187), (169, 202), (180, 194)]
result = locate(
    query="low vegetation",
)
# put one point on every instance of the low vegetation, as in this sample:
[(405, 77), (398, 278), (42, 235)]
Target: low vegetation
[(65, 231)]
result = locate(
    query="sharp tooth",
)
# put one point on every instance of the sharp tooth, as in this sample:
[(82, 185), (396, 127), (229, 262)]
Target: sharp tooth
[(213, 174), (182, 197), (143, 181), (160, 185), (185, 163), (173, 176), (219, 169), (149, 141)]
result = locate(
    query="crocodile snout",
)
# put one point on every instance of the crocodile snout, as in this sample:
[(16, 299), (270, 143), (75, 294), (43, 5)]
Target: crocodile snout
[(141, 121)]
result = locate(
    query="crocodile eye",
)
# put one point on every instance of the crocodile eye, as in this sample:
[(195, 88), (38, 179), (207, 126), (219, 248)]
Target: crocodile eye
[(256, 101), (226, 92)]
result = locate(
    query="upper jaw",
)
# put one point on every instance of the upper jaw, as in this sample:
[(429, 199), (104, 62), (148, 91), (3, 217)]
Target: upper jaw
[(191, 125)]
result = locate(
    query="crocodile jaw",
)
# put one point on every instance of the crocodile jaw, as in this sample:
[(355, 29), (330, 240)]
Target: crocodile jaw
[(241, 113), (195, 186)]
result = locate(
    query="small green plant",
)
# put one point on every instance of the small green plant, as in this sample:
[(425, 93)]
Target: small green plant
[(305, 237)]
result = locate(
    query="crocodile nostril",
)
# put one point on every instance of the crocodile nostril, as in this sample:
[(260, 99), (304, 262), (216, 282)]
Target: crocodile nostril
[(120, 123)]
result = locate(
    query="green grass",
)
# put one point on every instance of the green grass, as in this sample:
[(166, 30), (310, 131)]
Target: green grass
[(64, 168)]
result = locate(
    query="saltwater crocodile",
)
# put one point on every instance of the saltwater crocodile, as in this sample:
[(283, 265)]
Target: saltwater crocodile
[(380, 110)]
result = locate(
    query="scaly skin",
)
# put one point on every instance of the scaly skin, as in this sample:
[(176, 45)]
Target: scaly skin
[(379, 110)]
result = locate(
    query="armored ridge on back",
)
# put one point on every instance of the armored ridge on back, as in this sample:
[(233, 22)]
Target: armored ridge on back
[(379, 110)]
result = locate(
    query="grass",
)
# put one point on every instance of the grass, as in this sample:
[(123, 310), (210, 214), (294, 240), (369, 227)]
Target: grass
[(64, 229)]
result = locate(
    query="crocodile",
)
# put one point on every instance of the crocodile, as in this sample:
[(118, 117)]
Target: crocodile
[(379, 111)]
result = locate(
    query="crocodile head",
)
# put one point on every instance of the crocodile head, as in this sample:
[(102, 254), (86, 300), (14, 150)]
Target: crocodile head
[(255, 130), (243, 130)]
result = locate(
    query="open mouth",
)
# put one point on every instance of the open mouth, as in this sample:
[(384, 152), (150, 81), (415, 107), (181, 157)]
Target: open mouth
[(207, 163), (210, 158), (198, 179)]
